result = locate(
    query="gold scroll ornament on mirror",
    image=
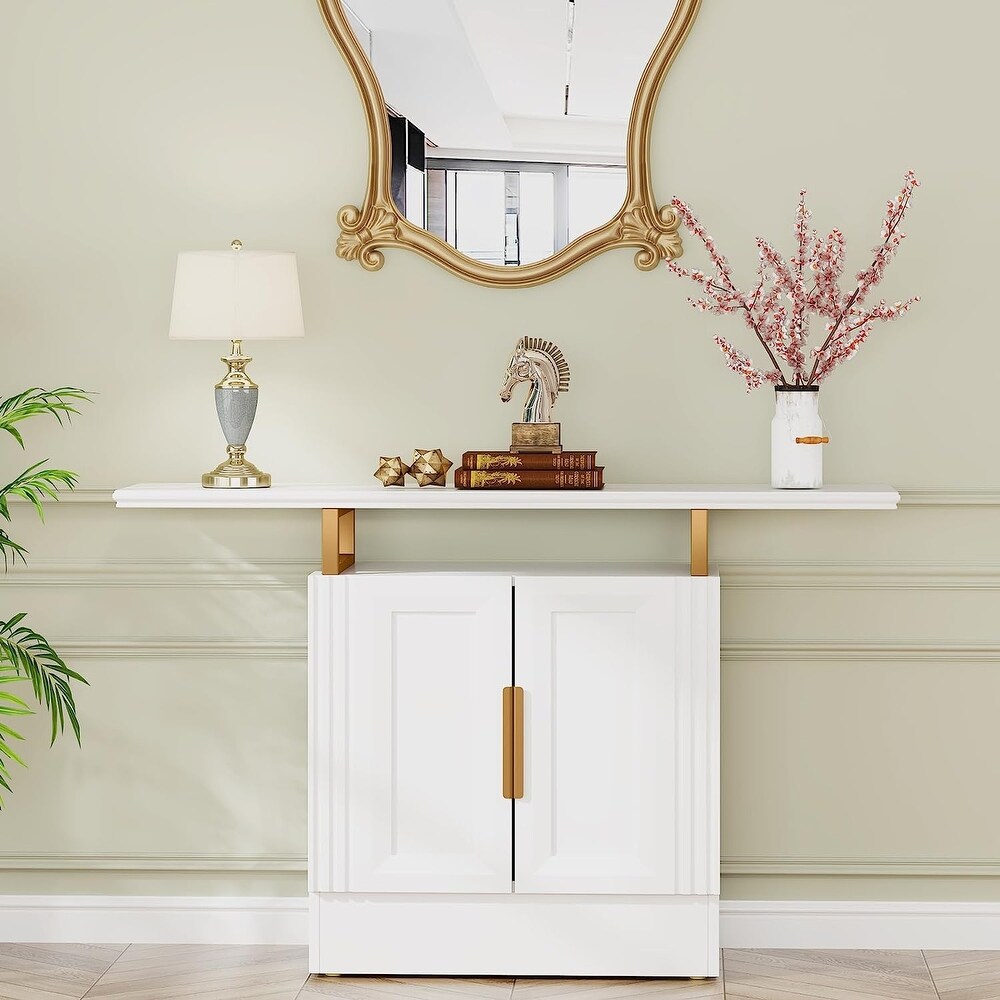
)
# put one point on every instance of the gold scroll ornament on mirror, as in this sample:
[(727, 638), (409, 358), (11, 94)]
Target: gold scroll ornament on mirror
[(651, 230)]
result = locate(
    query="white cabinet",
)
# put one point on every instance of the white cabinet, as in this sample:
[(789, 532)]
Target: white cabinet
[(607, 864)]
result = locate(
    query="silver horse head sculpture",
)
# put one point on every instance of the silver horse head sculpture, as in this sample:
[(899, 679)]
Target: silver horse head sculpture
[(542, 364)]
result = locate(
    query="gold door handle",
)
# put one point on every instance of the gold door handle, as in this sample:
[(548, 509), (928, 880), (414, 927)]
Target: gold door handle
[(508, 743), (518, 733), (513, 743), (812, 439)]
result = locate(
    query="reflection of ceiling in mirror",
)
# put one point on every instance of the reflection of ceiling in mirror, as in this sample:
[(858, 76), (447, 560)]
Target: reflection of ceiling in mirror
[(514, 78)]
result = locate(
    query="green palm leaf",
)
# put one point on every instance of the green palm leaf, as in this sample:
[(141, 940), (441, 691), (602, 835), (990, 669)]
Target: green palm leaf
[(9, 705), (36, 485), (10, 548), (33, 658), (33, 402), (27, 657)]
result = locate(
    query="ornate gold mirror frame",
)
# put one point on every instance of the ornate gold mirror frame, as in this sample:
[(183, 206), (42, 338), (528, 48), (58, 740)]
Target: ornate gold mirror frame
[(639, 224)]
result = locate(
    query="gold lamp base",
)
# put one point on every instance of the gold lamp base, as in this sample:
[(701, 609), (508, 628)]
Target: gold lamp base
[(236, 473)]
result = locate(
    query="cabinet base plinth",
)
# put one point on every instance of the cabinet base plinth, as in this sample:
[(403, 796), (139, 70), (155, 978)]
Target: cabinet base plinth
[(512, 935)]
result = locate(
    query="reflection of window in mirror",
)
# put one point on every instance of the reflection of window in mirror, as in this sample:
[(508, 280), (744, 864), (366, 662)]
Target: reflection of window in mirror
[(514, 213), (594, 195), (479, 225)]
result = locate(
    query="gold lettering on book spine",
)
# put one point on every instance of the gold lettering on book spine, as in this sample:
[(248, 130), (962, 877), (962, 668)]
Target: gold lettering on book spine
[(494, 479), (498, 462)]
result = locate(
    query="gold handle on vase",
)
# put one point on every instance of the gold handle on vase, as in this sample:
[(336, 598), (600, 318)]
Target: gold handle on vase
[(812, 439)]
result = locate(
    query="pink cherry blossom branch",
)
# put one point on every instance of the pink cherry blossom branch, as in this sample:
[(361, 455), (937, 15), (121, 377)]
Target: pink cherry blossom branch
[(726, 296), (798, 321), (870, 277), (784, 330), (742, 365)]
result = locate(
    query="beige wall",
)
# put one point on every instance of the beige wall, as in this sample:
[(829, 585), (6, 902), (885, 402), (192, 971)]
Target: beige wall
[(861, 651)]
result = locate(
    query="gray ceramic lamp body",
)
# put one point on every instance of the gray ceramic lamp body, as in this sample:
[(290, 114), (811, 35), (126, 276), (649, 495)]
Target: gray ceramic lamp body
[(243, 295), (236, 408)]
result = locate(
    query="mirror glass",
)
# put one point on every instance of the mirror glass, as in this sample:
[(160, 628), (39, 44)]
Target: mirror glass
[(509, 118)]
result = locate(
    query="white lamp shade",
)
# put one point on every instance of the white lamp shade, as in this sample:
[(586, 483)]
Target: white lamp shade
[(236, 295)]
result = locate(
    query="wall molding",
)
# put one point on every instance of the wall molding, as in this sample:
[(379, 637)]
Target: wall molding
[(291, 575), (871, 866), (169, 574), (153, 862), (180, 648), (733, 650), (733, 865), (819, 574), (88, 495), (283, 921), (937, 497), (776, 650)]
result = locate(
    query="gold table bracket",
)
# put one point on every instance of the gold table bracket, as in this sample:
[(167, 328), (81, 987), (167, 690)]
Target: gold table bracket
[(338, 545), (699, 543)]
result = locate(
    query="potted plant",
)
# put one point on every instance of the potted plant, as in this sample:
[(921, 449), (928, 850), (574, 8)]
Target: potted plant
[(26, 657), (778, 312)]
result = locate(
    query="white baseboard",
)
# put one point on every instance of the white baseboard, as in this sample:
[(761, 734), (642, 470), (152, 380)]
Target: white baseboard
[(283, 921), (911, 925), (155, 919)]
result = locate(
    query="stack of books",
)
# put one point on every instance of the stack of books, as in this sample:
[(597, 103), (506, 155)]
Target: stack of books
[(503, 470)]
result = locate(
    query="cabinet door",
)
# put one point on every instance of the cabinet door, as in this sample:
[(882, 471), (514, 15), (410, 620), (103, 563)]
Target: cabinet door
[(427, 660), (621, 708)]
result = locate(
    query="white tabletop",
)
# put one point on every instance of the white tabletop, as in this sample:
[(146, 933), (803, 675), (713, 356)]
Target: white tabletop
[(644, 496)]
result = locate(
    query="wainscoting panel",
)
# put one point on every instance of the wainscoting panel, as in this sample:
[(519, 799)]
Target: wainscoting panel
[(879, 764), (858, 693), (193, 765)]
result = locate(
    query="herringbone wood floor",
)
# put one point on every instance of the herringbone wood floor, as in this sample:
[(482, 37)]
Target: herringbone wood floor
[(230, 972)]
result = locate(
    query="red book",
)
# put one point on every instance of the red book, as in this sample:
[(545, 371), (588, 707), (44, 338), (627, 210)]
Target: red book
[(530, 479), (502, 461)]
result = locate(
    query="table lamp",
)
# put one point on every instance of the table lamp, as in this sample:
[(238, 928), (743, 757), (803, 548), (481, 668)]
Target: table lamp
[(238, 295)]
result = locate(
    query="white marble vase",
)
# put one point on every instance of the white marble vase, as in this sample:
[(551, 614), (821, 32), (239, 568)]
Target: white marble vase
[(797, 439)]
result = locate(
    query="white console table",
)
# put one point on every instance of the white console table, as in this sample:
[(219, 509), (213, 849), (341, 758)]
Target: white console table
[(338, 504), (514, 770)]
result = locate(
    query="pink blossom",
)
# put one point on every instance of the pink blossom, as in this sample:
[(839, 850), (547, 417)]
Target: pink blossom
[(787, 293), (742, 365)]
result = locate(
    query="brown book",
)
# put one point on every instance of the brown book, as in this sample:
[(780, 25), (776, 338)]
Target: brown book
[(530, 479), (501, 461)]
